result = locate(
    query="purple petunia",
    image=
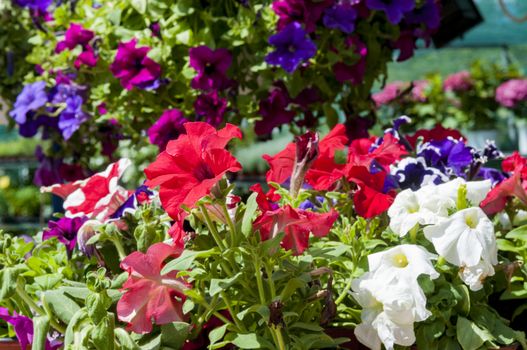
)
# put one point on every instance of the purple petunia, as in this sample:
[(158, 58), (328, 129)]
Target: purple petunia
[(32, 97), (353, 73), (212, 66), (134, 68), (65, 230), (394, 9), (141, 195), (72, 115), (293, 47), (450, 156), (75, 36), (274, 111), (23, 327), (306, 12), (428, 14), (341, 17), (413, 173), (37, 5), (168, 127), (210, 108), (512, 92), (47, 173)]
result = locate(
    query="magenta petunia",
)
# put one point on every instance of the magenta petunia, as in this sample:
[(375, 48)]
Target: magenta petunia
[(210, 108), (306, 12), (134, 68), (168, 127), (353, 73), (212, 66), (65, 229), (274, 111), (75, 36), (460, 81)]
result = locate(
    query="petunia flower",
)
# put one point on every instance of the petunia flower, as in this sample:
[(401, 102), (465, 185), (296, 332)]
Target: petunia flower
[(32, 97), (293, 47), (365, 152), (150, 297), (321, 174), (297, 224), (437, 133), (450, 156), (134, 68), (394, 9), (48, 171), (65, 229), (466, 239), (428, 13), (142, 195), (191, 165), (512, 92), (96, 197), (37, 5), (306, 12), (390, 92), (414, 173), (341, 17), (75, 36), (212, 66), (389, 310), (23, 327), (353, 73), (273, 110), (168, 127), (210, 108), (460, 81)]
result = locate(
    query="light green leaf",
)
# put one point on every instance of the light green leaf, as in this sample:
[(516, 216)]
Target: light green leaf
[(139, 5), (518, 233), (185, 260), (217, 334), (60, 305), (40, 332), (250, 209), (469, 335), (247, 341), (219, 285), (125, 340)]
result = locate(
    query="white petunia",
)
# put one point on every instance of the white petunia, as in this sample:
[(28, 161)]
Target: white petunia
[(474, 276), (476, 190), (406, 261), (464, 238), (423, 207), (390, 309)]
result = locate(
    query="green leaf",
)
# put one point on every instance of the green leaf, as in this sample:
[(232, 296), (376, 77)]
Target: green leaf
[(8, 281), (518, 233), (125, 340), (60, 305), (103, 333), (217, 334), (139, 5), (185, 260), (40, 332), (96, 305), (69, 337), (174, 334), (291, 286), (153, 344), (48, 281), (219, 285), (247, 341), (263, 310), (250, 209), (469, 335)]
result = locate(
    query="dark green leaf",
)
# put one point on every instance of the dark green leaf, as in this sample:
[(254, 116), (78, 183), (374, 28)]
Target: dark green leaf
[(174, 334), (469, 335)]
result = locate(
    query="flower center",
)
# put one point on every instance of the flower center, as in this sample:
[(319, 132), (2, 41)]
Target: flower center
[(291, 48), (400, 260), (209, 68), (471, 222), (203, 172)]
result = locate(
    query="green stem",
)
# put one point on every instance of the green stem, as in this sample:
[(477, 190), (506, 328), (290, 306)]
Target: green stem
[(215, 313), (31, 303), (413, 233), (233, 314), (119, 246), (278, 333), (211, 227), (231, 225), (269, 272), (259, 282), (344, 292)]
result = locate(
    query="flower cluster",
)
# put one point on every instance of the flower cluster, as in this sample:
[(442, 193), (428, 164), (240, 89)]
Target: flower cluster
[(512, 93)]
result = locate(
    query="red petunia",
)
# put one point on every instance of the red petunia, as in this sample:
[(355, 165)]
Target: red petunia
[(369, 198), (149, 296), (514, 186), (437, 133), (96, 197), (297, 224), (191, 165), (320, 175), (389, 151)]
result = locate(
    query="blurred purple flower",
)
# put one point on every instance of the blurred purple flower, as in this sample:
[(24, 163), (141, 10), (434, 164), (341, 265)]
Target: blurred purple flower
[(65, 229), (406, 44), (212, 66), (210, 108), (342, 17), (134, 68), (274, 111), (32, 97), (357, 127), (428, 14), (394, 9), (355, 72), (34, 122), (293, 47), (494, 175), (512, 92), (47, 173), (460, 81), (77, 35), (37, 5), (306, 12), (168, 127), (72, 116)]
